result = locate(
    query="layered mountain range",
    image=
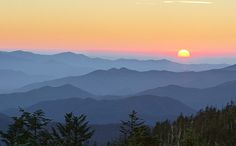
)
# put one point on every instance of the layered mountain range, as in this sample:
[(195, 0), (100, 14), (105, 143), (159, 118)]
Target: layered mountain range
[(124, 81), (107, 90), (25, 67)]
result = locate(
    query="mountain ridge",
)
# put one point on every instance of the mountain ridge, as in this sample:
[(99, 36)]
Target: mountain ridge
[(23, 99), (13, 79), (124, 81), (152, 108), (217, 96), (68, 63)]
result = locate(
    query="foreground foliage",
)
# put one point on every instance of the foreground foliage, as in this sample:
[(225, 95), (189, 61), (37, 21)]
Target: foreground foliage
[(32, 130), (209, 127)]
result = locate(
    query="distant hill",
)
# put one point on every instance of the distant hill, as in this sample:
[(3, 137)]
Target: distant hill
[(11, 79), (50, 65), (126, 82), (105, 133), (230, 68), (70, 64), (198, 98), (23, 99), (4, 121), (150, 108)]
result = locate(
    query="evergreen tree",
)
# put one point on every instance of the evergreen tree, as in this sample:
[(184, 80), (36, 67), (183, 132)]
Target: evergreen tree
[(16, 134), (26, 129), (162, 133), (75, 131), (134, 132), (35, 124)]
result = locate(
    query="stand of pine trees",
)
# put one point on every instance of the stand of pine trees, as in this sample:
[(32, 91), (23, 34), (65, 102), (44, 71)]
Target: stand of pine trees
[(32, 129), (209, 127)]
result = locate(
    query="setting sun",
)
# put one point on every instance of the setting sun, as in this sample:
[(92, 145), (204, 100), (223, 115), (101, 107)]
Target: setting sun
[(183, 53)]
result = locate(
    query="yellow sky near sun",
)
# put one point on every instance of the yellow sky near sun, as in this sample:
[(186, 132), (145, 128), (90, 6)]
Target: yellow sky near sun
[(135, 26)]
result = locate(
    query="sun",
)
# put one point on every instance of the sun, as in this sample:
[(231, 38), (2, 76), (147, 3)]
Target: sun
[(184, 53)]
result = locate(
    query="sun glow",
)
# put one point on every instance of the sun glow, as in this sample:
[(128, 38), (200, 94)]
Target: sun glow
[(184, 53)]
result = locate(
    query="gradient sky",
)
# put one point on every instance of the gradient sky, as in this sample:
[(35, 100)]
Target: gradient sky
[(144, 27)]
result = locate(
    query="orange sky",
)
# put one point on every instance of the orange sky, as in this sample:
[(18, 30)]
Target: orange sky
[(148, 27)]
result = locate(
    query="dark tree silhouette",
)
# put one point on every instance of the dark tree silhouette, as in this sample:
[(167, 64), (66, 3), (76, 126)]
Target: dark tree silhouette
[(135, 132), (16, 134), (36, 125), (75, 131), (209, 127)]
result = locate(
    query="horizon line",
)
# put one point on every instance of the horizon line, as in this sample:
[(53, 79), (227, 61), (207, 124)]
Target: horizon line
[(109, 56)]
